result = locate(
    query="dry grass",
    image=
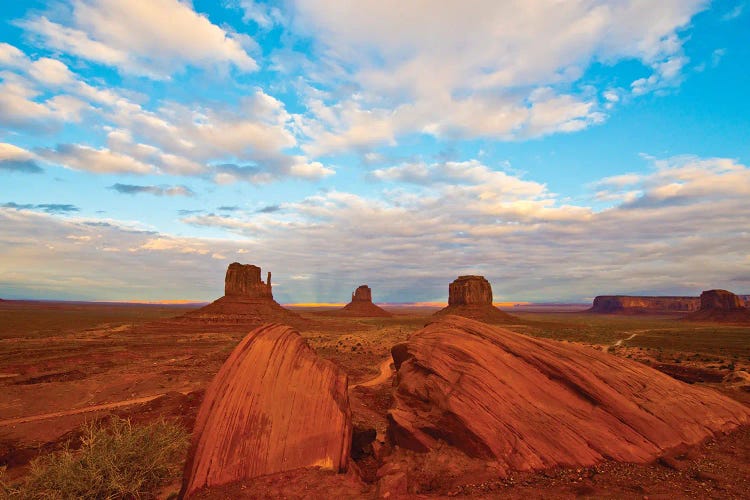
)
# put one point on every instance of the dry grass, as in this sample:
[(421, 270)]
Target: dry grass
[(115, 460)]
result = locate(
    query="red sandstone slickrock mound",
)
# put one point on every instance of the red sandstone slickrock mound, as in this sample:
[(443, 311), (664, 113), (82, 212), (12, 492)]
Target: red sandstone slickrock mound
[(721, 306), (531, 403), (273, 406), (247, 300), (471, 297), (361, 305)]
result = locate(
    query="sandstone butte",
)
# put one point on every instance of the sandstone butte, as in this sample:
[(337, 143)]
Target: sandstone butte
[(273, 406), (247, 300), (471, 297), (530, 403), (361, 305), (721, 306)]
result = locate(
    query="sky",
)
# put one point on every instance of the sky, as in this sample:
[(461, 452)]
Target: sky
[(561, 149)]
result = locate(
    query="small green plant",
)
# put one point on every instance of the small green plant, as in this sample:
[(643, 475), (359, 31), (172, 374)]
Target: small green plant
[(115, 460)]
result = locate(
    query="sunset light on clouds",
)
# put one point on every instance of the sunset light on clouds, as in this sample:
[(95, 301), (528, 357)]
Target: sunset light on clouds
[(561, 149)]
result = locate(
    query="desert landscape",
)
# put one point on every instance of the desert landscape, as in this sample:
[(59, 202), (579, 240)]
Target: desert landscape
[(374, 249), (424, 402)]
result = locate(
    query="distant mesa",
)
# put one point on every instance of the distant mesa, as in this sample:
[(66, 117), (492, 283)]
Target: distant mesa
[(361, 306), (721, 306), (626, 304), (471, 297), (529, 403), (247, 300), (273, 406), (634, 304)]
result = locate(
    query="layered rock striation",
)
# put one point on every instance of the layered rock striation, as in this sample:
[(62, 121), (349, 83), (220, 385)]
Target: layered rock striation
[(361, 305), (721, 306), (530, 403), (247, 300), (625, 304), (273, 406), (471, 297)]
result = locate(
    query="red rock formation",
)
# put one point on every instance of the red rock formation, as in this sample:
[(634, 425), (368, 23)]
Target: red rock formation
[(361, 306), (247, 300), (623, 304), (273, 406), (363, 293), (244, 280), (721, 306), (720, 299), (469, 290), (532, 403), (471, 297)]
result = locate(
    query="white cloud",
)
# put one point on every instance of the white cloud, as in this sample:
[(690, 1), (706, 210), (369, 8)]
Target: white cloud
[(504, 70), (684, 231), (50, 72), (12, 152), (147, 37), (247, 141), (88, 159)]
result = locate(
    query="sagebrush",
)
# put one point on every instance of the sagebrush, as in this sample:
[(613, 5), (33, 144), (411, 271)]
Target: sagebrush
[(116, 459)]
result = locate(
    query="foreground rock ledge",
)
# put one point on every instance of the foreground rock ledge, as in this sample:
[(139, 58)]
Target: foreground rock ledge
[(531, 403), (273, 406)]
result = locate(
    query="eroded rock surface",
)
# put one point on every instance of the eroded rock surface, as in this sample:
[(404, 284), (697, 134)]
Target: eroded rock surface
[(721, 306), (361, 305), (273, 406), (471, 297), (531, 403)]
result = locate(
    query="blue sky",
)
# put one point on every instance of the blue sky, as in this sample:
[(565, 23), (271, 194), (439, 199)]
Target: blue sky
[(563, 150)]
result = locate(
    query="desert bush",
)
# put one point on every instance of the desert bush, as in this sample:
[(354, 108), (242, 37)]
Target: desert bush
[(115, 460)]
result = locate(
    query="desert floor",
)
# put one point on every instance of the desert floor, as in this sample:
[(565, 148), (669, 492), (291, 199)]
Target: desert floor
[(62, 364)]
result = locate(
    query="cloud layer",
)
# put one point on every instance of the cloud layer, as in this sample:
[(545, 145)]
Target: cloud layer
[(685, 230)]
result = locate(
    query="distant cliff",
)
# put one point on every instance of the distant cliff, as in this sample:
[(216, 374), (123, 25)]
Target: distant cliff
[(611, 304), (632, 304)]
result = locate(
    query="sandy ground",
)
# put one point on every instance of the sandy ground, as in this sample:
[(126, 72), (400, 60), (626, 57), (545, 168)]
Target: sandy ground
[(63, 365)]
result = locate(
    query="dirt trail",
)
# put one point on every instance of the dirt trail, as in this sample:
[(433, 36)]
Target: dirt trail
[(632, 336), (76, 411), (383, 376)]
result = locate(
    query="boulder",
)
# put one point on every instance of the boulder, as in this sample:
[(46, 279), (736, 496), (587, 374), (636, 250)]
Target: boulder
[(471, 297), (361, 306), (273, 406), (529, 403), (721, 306)]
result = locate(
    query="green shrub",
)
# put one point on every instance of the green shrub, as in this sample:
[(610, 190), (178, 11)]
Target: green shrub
[(115, 460)]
